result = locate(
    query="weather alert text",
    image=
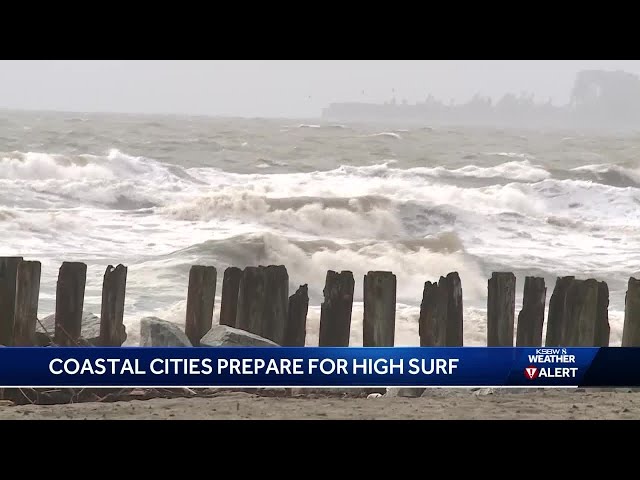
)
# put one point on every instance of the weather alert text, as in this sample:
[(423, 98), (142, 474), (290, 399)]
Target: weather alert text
[(550, 355)]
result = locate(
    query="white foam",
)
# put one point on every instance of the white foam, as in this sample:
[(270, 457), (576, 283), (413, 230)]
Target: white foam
[(38, 166), (522, 170), (350, 221), (119, 207), (116, 178), (524, 156), (493, 222), (393, 135), (380, 180), (590, 202), (516, 170)]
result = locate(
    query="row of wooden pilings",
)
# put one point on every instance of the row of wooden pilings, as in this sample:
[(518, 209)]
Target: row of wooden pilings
[(256, 299)]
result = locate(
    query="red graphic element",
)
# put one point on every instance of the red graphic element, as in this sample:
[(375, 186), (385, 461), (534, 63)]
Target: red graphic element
[(531, 373)]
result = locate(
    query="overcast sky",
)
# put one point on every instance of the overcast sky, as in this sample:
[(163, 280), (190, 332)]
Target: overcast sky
[(269, 88)]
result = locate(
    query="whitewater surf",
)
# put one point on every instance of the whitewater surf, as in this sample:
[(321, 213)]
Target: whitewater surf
[(160, 194)]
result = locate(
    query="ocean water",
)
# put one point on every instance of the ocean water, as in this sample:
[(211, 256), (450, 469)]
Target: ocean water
[(161, 193)]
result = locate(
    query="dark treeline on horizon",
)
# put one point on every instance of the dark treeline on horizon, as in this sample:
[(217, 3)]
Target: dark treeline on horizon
[(598, 99)]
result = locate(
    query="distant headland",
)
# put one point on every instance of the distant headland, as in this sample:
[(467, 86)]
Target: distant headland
[(599, 100)]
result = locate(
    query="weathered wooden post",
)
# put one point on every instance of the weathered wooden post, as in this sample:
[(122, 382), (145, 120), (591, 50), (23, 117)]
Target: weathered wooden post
[(200, 299), (441, 313), (501, 304), (72, 278), (379, 320), (26, 309), (296, 329), (8, 274), (336, 309), (432, 324), (631, 329), (229, 301), (556, 316), (455, 315), (276, 313), (114, 287), (531, 317), (251, 297), (581, 301), (263, 301), (9, 300), (586, 322)]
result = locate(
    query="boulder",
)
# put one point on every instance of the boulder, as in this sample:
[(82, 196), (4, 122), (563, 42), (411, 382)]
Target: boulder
[(90, 330), (484, 391), (155, 332), (508, 391), (225, 336)]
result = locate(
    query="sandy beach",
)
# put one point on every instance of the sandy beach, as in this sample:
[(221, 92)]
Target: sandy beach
[(437, 405)]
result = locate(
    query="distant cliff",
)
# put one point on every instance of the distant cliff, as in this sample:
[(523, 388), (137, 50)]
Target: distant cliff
[(599, 99)]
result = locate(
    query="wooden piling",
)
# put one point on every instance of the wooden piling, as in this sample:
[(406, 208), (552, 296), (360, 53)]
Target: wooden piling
[(229, 301), (433, 315), (455, 316), (441, 313), (72, 278), (586, 322), (631, 328), (336, 309), (295, 331), (531, 317), (114, 287), (251, 297), (276, 305), (263, 301), (579, 312), (556, 315), (26, 308), (200, 299), (8, 274), (379, 320), (501, 302)]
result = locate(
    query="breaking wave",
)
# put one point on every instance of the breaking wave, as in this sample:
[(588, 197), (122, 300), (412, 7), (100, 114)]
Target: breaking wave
[(413, 260), (614, 175), (41, 166), (116, 180)]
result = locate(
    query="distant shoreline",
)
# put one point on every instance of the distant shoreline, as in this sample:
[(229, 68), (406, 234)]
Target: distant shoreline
[(416, 116)]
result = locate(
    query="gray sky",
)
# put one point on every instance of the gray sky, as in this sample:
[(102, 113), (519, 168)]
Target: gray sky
[(270, 88)]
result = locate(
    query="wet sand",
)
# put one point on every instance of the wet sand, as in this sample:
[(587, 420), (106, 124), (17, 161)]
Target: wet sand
[(461, 404)]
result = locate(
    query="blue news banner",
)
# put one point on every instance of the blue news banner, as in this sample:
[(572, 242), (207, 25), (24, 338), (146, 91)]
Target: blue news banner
[(318, 367)]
